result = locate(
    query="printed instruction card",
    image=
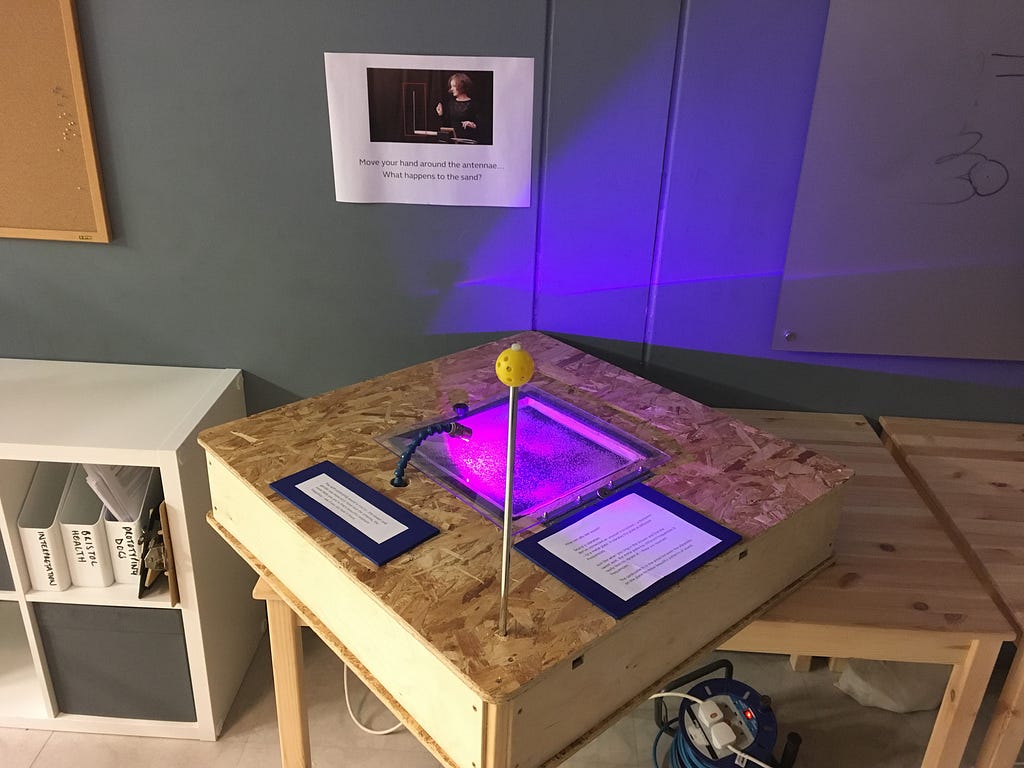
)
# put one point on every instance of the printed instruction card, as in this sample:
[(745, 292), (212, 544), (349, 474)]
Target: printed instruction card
[(433, 130), (370, 522), (628, 548)]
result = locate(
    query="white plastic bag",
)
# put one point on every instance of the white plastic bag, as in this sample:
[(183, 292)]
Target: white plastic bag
[(896, 686)]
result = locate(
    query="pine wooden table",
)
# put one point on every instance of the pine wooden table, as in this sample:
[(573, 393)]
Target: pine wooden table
[(421, 630), (972, 476), (899, 589)]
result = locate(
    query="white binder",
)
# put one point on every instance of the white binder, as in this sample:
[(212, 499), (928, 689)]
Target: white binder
[(124, 538), (85, 539), (39, 531)]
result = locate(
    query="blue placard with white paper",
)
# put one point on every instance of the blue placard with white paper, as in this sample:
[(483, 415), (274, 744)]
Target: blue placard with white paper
[(626, 549), (377, 527)]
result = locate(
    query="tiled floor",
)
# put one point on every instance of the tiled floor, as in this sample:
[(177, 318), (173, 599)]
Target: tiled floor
[(837, 732)]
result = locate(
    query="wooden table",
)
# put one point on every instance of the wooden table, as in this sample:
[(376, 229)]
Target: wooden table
[(421, 631), (972, 476), (898, 591)]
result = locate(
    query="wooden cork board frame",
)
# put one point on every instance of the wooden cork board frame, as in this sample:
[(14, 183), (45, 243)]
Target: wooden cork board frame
[(49, 172)]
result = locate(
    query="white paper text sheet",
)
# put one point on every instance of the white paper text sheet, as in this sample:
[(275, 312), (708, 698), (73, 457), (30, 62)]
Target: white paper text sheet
[(389, 145), (629, 544), (352, 508)]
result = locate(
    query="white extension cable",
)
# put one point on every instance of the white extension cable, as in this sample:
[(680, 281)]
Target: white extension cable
[(348, 705), (701, 703)]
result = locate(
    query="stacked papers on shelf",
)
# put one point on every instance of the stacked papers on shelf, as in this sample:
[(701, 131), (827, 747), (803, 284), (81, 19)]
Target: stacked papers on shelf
[(122, 489)]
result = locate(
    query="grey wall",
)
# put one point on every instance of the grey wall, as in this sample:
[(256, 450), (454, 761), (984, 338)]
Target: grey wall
[(667, 147)]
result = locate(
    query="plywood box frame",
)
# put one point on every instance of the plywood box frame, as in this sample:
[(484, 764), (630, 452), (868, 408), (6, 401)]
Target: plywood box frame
[(50, 186), (423, 627), (593, 685)]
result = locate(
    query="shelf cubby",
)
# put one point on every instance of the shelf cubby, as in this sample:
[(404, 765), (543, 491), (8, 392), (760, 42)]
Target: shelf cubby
[(134, 415)]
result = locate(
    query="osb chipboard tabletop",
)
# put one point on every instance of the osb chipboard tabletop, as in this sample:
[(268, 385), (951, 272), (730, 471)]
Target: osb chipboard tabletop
[(446, 589)]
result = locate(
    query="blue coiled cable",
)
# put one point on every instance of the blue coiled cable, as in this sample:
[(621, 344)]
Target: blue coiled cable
[(681, 754)]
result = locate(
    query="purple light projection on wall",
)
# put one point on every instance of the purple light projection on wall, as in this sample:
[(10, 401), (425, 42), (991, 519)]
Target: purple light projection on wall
[(732, 172), (596, 205), (600, 197), (494, 288), (674, 235)]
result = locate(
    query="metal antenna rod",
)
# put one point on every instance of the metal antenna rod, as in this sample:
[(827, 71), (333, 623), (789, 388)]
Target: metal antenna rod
[(506, 540), (514, 367)]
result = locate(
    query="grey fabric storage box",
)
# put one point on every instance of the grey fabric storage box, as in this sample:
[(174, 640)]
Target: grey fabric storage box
[(117, 662), (6, 580)]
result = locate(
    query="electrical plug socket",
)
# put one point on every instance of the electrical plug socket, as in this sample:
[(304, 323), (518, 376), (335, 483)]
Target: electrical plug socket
[(709, 713), (722, 735)]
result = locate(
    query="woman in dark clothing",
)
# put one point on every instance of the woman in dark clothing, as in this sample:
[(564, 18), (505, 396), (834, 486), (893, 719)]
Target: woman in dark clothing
[(460, 111)]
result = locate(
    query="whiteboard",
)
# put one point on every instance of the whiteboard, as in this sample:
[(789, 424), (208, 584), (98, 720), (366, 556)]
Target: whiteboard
[(908, 229)]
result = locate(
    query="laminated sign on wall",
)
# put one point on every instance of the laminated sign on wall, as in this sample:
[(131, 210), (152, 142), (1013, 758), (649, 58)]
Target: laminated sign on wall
[(435, 130)]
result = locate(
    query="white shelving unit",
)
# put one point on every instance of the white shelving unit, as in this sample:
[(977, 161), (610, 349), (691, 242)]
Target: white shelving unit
[(123, 415)]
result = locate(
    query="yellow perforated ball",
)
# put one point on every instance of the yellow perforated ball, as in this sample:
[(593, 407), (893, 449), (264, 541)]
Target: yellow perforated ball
[(514, 366)]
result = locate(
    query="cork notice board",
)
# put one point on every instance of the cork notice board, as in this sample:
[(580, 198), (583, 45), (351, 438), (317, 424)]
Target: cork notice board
[(49, 174)]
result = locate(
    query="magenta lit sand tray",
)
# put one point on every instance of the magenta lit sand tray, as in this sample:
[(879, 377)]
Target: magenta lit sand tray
[(565, 458)]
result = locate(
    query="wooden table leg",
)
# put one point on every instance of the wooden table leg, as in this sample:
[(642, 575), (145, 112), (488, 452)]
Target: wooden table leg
[(800, 663), (960, 703), (1005, 733), (837, 663), (286, 657)]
